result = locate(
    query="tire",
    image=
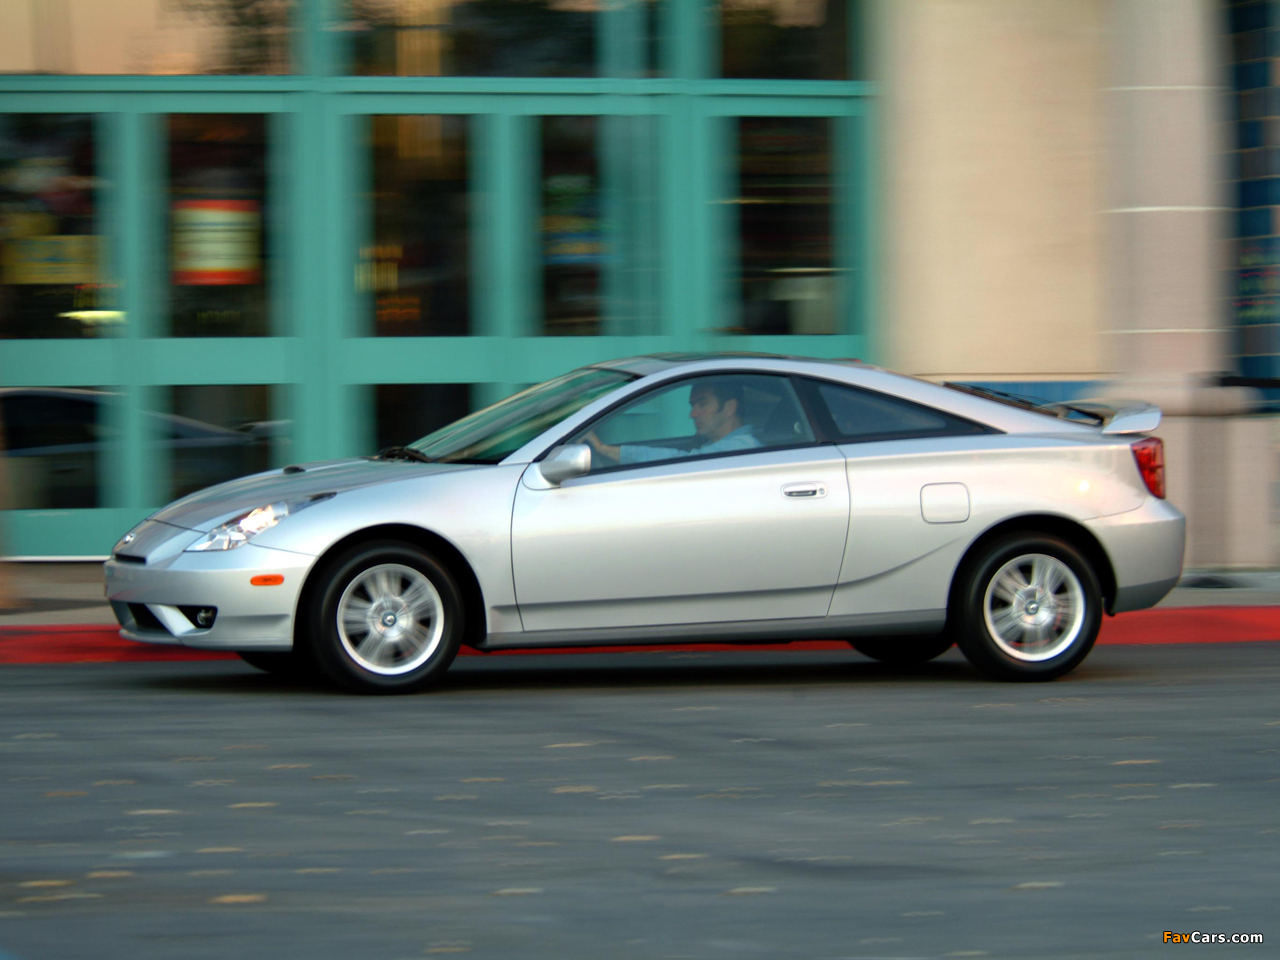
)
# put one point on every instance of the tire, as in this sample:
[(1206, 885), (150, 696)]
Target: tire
[(385, 617), (903, 651), (279, 663), (1001, 620)]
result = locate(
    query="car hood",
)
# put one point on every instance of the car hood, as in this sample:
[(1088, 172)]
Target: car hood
[(207, 508)]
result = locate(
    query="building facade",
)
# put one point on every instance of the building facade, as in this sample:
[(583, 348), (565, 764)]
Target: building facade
[(309, 229), (244, 233)]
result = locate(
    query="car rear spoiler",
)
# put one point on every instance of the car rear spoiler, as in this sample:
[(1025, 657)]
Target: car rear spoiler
[(1120, 416)]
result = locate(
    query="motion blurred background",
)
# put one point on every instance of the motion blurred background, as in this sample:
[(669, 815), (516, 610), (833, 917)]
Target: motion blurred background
[(236, 234)]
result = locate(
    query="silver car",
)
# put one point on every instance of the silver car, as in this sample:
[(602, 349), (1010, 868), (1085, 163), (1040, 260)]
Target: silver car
[(676, 499)]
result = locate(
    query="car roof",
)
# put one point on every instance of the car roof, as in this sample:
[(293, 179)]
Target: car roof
[(659, 362), (74, 393), (88, 394)]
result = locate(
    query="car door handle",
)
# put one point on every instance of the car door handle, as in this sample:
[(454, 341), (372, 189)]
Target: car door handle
[(805, 491)]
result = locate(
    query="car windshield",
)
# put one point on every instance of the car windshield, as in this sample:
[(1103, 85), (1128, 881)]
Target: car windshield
[(491, 434)]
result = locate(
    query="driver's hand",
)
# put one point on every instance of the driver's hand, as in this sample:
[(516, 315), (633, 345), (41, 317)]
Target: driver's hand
[(608, 451)]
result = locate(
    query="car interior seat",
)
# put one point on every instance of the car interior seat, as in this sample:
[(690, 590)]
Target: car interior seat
[(783, 423)]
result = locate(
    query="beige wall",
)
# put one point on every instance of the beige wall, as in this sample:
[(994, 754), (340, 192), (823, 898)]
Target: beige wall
[(103, 36), (992, 134)]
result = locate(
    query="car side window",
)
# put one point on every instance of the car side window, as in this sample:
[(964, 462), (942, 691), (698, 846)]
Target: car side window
[(36, 421), (698, 417), (853, 414)]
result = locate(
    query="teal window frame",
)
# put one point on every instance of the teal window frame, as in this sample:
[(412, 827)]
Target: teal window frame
[(323, 370)]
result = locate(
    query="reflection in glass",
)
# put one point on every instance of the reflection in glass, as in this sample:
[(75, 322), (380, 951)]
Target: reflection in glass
[(599, 217), (417, 269), (218, 433), (497, 431), (404, 412), (573, 242), (785, 39), (217, 220), (502, 38), (54, 441), (788, 281), (50, 249), (146, 36)]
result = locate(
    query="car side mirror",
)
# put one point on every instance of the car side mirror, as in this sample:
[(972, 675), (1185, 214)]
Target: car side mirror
[(566, 462)]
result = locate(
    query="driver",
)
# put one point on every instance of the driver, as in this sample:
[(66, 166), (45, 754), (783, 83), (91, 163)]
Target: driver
[(715, 406)]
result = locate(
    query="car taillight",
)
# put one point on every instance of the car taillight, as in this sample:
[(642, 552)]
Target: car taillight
[(1150, 456)]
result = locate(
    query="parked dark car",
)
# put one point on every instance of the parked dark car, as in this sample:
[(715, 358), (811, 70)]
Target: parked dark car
[(55, 439)]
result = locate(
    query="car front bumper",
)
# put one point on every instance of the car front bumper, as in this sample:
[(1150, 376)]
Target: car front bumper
[(1145, 547), (159, 598)]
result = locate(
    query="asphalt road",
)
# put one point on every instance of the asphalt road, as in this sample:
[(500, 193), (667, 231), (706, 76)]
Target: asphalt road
[(645, 805)]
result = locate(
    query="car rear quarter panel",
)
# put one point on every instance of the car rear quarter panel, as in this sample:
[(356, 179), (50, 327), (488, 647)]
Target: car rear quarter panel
[(469, 508), (896, 561), (1146, 548)]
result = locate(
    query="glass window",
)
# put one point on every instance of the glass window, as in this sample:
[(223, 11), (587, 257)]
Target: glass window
[(53, 442), (218, 433), (853, 415), (788, 282), (218, 270), (416, 273), (405, 411), (728, 413), (51, 278), (501, 38), (146, 36), (599, 225), (785, 39), (497, 431), (573, 245)]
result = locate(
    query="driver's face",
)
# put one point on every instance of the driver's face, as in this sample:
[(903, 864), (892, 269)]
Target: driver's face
[(708, 413)]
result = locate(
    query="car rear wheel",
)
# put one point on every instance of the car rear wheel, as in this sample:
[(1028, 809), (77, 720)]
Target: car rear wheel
[(385, 618), (902, 651), (1029, 608)]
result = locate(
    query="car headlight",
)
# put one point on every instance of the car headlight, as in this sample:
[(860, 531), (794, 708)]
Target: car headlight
[(245, 527)]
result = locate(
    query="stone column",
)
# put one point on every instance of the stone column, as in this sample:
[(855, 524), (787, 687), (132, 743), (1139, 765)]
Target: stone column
[(1167, 210), (1167, 222)]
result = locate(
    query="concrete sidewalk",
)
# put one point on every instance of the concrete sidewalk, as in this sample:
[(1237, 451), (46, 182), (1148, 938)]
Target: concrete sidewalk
[(54, 593), (71, 593)]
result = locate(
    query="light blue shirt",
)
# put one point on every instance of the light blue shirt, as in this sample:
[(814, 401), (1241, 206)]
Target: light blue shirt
[(740, 439)]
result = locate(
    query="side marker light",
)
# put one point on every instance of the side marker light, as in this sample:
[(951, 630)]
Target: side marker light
[(267, 580)]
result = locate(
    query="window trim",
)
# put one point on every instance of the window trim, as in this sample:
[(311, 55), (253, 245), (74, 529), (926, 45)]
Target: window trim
[(808, 388), (817, 441)]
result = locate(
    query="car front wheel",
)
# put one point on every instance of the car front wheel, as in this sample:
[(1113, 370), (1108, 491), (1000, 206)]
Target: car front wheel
[(385, 618), (1029, 608)]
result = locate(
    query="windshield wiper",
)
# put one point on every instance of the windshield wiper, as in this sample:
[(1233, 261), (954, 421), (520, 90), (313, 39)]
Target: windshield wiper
[(401, 453)]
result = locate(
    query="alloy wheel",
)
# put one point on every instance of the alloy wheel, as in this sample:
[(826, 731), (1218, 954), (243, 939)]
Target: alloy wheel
[(390, 619), (1034, 607)]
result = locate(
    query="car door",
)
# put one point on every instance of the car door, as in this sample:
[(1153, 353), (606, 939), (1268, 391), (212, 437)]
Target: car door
[(910, 514), (746, 534)]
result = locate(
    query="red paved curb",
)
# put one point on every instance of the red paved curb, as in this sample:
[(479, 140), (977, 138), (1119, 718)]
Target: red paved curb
[(88, 644), (102, 644), (1193, 625)]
